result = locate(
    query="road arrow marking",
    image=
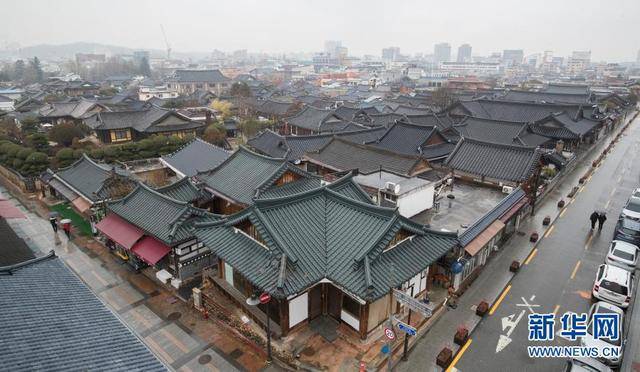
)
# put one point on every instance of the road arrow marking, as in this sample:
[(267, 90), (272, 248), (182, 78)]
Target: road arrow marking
[(503, 341), (507, 321)]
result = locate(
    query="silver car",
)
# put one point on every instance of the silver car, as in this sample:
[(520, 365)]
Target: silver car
[(632, 209), (623, 255)]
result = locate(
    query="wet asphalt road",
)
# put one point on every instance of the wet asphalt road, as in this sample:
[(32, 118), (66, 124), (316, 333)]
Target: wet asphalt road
[(560, 275)]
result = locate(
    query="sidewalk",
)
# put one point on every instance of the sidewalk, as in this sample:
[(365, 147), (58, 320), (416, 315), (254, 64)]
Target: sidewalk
[(176, 333), (496, 275)]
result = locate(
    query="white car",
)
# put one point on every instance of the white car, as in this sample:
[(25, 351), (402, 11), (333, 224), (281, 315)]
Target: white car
[(588, 340), (632, 209), (622, 254), (585, 365), (613, 285)]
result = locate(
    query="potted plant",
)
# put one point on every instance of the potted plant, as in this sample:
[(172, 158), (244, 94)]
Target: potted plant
[(482, 308), (546, 221), (534, 237), (515, 266), (444, 358), (561, 203), (461, 336)]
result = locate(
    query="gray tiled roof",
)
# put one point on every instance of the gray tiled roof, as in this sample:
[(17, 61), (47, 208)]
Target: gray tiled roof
[(344, 186), (567, 88), (526, 96), (196, 76), (499, 131), (87, 177), (197, 155), (517, 111), (410, 139), (151, 119), (341, 155), (323, 234), (77, 109), (499, 161), (51, 321), (318, 120), (561, 126), (294, 147)]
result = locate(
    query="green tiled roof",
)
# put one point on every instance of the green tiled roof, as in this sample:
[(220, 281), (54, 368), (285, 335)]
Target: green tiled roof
[(87, 176), (245, 173), (161, 216), (324, 234), (182, 190)]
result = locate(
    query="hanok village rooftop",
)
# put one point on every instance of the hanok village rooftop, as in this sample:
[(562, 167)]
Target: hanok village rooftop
[(335, 202)]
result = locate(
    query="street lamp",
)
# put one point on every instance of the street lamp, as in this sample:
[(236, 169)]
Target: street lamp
[(255, 300)]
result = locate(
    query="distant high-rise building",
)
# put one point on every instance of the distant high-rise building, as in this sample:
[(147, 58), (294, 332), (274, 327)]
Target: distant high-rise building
[(442, 53), (332, 47), (390, 53), (578, 61), (464, 53), (512, 57), (139, 55)]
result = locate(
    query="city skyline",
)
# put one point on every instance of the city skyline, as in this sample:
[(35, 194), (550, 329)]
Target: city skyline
[(228, 26)]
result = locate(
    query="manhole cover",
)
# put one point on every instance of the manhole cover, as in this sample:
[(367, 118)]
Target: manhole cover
[(174, 316), (308, 351), (204, 359)]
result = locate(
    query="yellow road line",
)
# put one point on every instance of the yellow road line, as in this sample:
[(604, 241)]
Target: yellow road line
[(613, 191), (575, 270), (562, 213), (582, 188), (586, 246), (555, 310), (589, 179), (533, 253), (497, 303), (458, 356), (572, 200), (549, 231)]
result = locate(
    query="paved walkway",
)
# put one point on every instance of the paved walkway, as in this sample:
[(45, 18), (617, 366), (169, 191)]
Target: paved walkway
[(496, 275), (174, 332)]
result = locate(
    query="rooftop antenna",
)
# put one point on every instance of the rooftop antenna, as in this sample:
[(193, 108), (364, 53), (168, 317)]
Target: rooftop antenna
[(166, 42)]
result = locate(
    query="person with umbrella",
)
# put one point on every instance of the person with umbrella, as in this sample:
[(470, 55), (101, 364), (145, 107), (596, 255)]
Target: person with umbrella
[(602, 217), (594, 219)]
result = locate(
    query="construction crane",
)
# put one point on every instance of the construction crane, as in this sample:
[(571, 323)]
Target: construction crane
[(166, 42)]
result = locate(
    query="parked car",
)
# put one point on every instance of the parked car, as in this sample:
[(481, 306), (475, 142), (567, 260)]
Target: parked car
[(613, 285), (632, 209), (602, 307), (627, 230), (623, 255), (585, 365)]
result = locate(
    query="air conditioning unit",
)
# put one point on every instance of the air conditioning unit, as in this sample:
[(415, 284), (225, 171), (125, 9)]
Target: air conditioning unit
[(507, 189), (392, 187)]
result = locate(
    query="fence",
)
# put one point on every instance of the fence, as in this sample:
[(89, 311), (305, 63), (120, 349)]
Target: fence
[(25, 184)]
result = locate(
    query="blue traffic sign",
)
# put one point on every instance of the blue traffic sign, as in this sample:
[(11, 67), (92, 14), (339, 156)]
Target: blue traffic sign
[(385, 349), (407, 329)]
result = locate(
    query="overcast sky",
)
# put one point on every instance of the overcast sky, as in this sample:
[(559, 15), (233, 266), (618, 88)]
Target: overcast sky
[(609, 28)]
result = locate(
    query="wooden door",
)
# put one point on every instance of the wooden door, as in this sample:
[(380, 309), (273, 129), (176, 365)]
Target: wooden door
[(334, 302), (315, 302)]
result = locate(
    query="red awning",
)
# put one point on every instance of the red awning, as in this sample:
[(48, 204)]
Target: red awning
[(8, 210), (150, 250), (513, 210), (119, 230)]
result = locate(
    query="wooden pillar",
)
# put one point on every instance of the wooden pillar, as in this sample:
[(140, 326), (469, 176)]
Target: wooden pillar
[(284, 316), (364, 321), (220, 268)]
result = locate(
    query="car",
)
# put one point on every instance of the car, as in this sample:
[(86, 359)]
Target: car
[(613, 285), (623, 255), (585, 365), (627, 230), (603, 307), (632, 209)]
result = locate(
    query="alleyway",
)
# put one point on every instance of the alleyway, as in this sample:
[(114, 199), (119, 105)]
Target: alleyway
[(168, 326)]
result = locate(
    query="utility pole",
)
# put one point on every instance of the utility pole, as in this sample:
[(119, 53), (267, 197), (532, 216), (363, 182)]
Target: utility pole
[(406, 335), (390, 321)]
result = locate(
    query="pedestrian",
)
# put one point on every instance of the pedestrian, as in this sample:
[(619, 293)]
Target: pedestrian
[(594, 219), (601, 218), (54, 224), (67, 230), (453, 298)]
